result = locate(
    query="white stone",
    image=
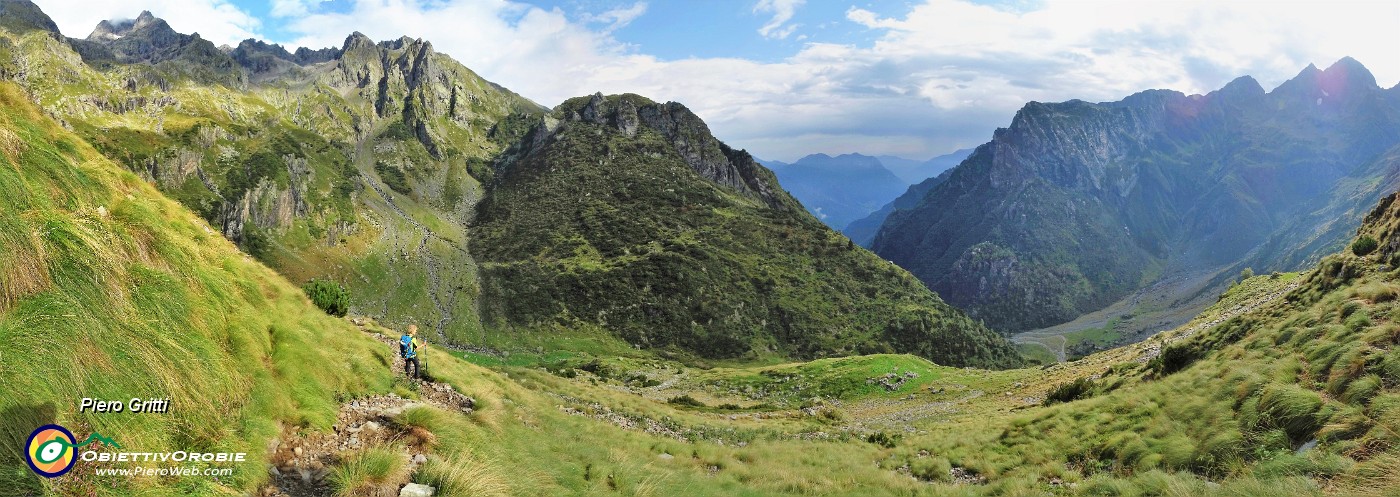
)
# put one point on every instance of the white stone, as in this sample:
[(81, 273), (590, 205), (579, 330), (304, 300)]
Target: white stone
[(416, 490)]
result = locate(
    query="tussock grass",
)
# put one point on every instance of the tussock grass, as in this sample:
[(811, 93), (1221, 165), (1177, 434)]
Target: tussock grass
[(371, 472), (462, 477)]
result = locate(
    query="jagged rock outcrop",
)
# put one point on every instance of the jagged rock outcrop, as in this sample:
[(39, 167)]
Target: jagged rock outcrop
[(150, 40), (1095, 200), (686, 132)]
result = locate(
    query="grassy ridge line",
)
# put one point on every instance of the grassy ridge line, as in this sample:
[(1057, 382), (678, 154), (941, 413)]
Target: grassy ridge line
[(110, 290)]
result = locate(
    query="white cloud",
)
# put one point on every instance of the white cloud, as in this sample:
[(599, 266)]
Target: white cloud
[(617, 18), (215, 20), (782, 11), (291, 8)]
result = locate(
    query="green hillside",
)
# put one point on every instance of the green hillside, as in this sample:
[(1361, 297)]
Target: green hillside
[(109, 290), (357, 168), (624, 214)]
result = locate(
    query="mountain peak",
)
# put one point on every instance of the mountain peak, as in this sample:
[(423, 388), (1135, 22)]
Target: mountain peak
[(1347, 72), (20, 16), (1241, 88), (1346, 77), (109, 30), (1243, 84), (356, 40)]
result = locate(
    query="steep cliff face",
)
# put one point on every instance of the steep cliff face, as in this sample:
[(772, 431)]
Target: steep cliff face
[(437, 99), (1076, 204), (626, 215)]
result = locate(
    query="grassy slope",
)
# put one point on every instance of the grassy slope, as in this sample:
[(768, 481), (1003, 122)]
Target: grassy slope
[(110, 290), (1315, 364)]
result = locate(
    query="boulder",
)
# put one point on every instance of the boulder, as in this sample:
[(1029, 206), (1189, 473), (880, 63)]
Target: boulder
[(416, 490)]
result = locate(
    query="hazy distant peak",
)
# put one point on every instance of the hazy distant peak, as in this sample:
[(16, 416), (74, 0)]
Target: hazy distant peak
[(1350, 72)]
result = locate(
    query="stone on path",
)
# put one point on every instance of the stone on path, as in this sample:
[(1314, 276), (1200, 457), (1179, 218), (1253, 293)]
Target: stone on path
[(416, 490)]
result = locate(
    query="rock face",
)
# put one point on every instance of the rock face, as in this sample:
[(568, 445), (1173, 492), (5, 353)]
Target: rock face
[(629, 216), (1076, 204), (690, 137)]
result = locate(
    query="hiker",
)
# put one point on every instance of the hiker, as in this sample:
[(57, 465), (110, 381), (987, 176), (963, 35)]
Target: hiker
[(408, 348)]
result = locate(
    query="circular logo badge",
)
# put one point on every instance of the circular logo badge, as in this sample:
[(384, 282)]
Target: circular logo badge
[(49, 451)]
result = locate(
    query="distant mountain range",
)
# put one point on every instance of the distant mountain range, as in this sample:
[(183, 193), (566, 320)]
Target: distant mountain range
[(1077, 204), (840, 189), (913, 171), (849, 187)]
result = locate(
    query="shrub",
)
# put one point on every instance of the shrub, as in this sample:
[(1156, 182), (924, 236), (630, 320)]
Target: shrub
[(1364, 245), (394, 177), (883, 439), (685, 400), (329, 296), (1078, 389), (1173, 358)]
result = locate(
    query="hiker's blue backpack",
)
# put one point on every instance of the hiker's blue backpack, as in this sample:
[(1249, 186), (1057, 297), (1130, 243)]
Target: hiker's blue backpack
[(406, 347)]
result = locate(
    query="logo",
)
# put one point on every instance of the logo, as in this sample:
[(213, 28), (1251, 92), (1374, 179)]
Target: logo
[(51, 450)]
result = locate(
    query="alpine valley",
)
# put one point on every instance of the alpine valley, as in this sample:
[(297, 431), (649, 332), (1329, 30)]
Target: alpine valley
[(1078, 205), (617, 302)]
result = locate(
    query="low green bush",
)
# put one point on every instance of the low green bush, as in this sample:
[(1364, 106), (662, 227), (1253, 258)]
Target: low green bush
[(1364, 245), (329, 296)]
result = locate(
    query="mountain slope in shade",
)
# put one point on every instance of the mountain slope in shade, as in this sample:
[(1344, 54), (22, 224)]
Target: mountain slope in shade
[(1077, 204), (863, 230), (840, 189), (627, 215)]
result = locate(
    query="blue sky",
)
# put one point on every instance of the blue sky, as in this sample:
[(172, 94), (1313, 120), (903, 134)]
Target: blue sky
[(784, 78)]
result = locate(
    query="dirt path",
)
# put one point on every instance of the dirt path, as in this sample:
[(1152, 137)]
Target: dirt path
[(301, 462)]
